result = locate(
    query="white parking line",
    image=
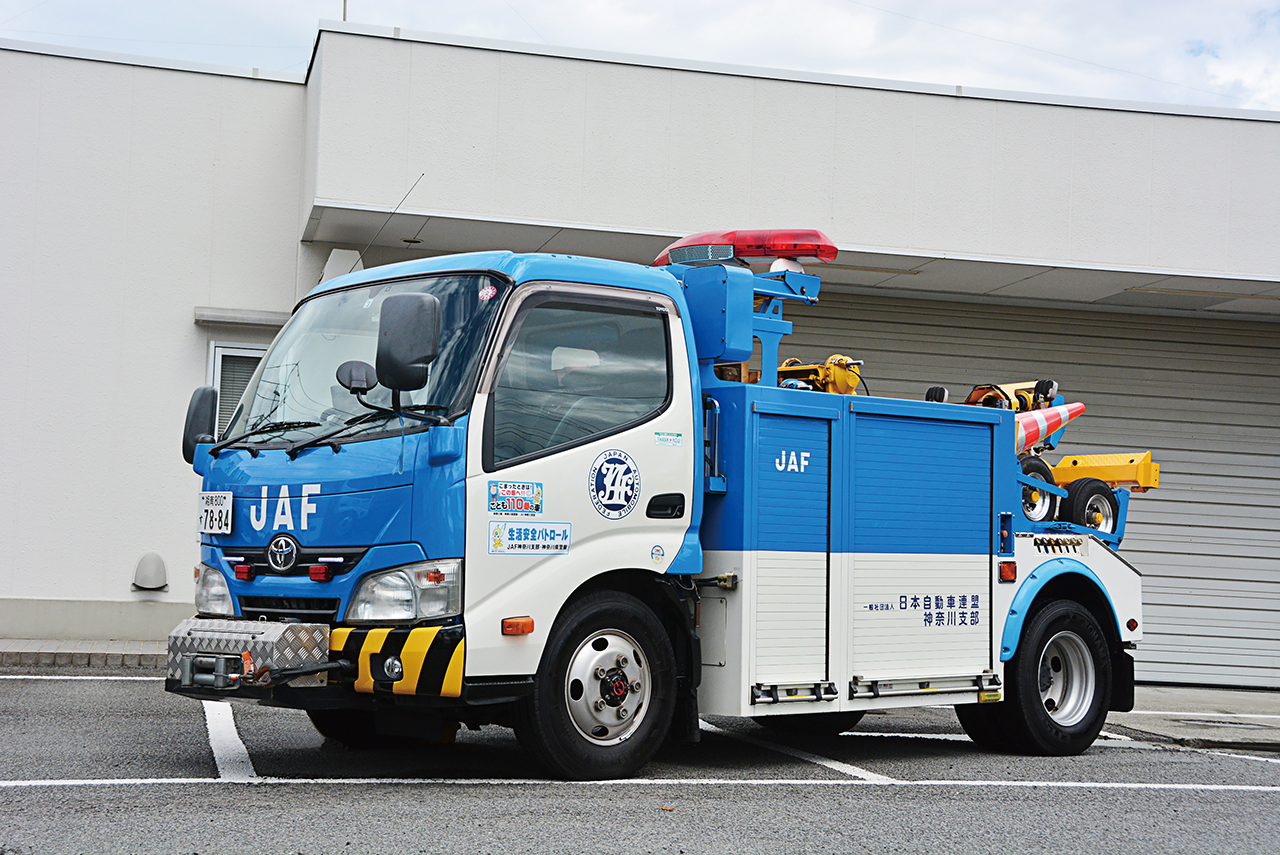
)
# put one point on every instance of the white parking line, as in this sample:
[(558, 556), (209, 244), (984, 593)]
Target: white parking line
[(835, 765), (229, 752), (646, 782)]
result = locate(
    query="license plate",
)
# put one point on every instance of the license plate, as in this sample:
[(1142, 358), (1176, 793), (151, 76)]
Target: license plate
[(215, 513)]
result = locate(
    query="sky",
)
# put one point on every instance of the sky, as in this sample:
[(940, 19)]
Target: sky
[(1219, 54)]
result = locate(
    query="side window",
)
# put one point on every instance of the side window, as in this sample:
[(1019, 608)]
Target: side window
[(573, 372)]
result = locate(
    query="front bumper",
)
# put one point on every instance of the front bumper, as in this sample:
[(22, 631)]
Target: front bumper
[(241, 660)]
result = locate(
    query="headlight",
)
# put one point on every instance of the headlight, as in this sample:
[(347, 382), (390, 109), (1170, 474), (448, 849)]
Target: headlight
[(213, 597), (431, 589)]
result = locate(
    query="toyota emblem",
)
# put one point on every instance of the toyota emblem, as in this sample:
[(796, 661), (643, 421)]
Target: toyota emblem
[(282, 553)]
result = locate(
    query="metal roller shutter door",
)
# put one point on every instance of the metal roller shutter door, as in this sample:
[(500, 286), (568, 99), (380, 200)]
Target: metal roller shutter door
[(1203, 395)]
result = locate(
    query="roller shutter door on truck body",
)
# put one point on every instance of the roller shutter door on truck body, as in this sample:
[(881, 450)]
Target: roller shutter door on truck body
[(1203, 395)]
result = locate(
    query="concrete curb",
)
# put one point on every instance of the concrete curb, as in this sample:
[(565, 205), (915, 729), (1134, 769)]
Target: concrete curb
[(82, 654)]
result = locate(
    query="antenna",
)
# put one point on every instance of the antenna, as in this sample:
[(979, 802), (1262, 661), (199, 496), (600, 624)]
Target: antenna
[(360, 258)]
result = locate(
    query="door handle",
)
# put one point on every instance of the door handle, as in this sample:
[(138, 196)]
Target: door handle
[(666, 506)]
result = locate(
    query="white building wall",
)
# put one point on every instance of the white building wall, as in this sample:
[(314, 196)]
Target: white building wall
[(522, 137), (130, 196)]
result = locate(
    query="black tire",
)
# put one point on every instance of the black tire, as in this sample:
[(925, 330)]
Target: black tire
[(985, 725), (574, 723), (1091, 503), (810, 724), (1058, 683), (353, 728), (1038, 505)]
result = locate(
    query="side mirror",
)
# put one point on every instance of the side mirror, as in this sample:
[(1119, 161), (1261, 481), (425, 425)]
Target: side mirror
[(356, 377), (202, 421), (408, 340)]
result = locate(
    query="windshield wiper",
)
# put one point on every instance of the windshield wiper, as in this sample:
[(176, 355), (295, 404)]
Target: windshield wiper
[(301, 445), (296, 448), (261, 429)]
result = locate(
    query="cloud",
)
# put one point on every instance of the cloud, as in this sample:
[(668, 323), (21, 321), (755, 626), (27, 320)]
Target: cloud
[(1177, 51)]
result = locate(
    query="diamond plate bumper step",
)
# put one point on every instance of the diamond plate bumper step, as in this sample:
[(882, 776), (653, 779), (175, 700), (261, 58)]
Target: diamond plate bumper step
[(206, 653)]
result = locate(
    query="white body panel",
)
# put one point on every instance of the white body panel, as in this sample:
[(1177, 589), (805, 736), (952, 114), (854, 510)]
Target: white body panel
[(1120, 581), (790, 617), (870, 637), (893, 634)]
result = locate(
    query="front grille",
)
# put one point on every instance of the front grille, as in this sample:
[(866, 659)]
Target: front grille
[(347, 557), (301, 609)]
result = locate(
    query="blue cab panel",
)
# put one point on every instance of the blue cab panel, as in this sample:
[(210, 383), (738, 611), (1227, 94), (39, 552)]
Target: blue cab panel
[(399, 496)]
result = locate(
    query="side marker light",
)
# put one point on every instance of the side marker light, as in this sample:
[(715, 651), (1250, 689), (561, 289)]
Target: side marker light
[(517, 625), (1008, 571), (1132, 624)]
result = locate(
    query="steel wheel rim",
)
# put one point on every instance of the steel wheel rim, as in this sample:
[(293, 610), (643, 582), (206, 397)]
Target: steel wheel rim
[(603, 712), (1098, 505), (1067, 679), (1037, 510)]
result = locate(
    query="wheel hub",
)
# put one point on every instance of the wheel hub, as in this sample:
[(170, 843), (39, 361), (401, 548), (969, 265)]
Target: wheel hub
[(607, 687), (614, 687), (1067, 681)]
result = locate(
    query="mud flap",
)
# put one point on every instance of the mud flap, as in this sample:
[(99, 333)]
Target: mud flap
[(1121, 681)]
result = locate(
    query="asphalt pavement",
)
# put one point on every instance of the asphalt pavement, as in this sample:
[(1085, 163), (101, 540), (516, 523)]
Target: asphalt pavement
[(1192, 716), (101, 759)]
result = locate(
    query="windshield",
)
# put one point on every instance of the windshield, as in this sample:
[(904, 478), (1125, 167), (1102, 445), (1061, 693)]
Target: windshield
[(296, 385)]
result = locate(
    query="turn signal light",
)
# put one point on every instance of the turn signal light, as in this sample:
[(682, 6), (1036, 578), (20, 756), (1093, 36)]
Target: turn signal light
[(1008, 571), (244, 572), (320, 572), (517, 625)]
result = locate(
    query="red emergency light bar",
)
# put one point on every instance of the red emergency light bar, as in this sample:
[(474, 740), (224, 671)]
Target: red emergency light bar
[(750, 245)]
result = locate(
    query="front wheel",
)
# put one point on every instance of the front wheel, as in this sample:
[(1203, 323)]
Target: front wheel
[(1059, 681), (604, 693), (353, 728)]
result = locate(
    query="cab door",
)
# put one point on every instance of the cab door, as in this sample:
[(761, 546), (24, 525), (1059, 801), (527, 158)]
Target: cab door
[(584, 459)]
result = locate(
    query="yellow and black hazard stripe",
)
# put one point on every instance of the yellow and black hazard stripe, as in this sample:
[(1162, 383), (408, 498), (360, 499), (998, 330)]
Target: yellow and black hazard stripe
[(432, 657)]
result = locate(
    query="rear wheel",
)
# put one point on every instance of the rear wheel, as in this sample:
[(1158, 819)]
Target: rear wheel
[(605, 692), (810, 724), (985, 725), (1059, 681)]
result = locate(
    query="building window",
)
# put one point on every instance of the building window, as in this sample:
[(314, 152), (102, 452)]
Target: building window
[(230, 368)]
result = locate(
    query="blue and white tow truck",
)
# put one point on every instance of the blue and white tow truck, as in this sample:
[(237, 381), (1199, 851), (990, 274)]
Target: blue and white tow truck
[(543, 491)]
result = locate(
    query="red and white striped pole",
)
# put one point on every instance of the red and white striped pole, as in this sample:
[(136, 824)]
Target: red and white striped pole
[(1037, 425)]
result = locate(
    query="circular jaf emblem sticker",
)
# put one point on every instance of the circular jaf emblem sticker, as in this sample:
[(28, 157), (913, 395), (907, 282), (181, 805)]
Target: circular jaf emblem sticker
[(614, 483)]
